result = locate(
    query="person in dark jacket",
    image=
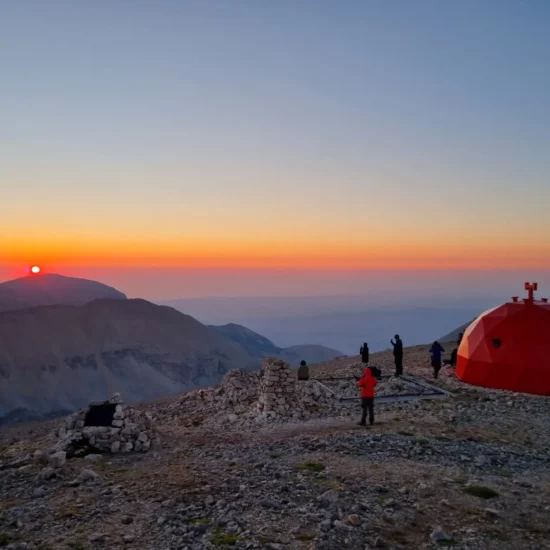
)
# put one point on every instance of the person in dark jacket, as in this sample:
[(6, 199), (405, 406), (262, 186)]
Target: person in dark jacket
[(435, 351), (398, 354), (303, 371), (364, 351), (367, 384), (459, 340)]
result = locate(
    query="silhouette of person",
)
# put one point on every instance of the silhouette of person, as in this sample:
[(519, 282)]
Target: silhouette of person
[(435, 352), (398, 354), (364, 351), (303, 371), (460, 336), (452, 360)]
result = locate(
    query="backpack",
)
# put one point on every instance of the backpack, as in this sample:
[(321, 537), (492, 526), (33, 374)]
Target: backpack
[(376, 372)]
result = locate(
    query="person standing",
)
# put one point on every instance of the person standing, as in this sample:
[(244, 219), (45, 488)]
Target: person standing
[(398, 354), (364, 351), (367, 384), (435, 352)]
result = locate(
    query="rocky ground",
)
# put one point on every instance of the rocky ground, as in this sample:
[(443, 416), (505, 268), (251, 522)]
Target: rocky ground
[(468, 472)]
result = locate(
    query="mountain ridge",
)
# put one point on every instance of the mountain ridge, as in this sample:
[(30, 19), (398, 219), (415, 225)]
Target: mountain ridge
[(260, 346), (60, 357), (51, 289)]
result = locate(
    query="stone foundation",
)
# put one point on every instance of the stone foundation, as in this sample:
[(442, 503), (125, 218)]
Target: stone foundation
[(129, 431)]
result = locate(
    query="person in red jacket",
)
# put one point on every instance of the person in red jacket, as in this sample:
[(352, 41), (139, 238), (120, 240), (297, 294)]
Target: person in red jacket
[(367, 383)]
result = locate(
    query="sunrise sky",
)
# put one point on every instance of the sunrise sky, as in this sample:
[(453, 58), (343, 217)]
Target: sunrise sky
[(156, 145)]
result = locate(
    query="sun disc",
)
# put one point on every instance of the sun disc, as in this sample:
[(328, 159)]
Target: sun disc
[(35, 269)]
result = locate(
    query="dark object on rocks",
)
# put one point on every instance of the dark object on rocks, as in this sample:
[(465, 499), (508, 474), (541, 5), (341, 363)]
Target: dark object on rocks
[(481, 491), (376, 372), (100, 415), (303, 371)]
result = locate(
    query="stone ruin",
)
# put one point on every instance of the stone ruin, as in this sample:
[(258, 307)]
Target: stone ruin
[(278, 389), (244, 398), (107, 426)]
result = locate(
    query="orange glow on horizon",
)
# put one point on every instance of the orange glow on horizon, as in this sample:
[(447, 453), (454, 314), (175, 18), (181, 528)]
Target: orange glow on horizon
[(300, 254)]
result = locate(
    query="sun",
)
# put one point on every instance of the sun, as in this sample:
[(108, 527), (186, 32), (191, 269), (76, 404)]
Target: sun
[(35, 269)]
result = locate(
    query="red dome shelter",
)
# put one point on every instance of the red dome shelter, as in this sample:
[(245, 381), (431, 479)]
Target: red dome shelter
[(508, 347)]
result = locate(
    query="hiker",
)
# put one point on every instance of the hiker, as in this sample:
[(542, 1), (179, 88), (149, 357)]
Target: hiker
[(398, 354), (367, 384), (364, 351), (454, 355), (435, 352), (303, 371), (460, 336)]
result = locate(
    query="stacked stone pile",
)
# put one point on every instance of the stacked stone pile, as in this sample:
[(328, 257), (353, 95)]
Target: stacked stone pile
[(130, 430), (240, 389), (278, 390), (248, 398)]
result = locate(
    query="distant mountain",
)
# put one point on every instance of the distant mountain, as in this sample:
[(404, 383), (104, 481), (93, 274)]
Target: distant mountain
[(453, 335), (58, 358), (52, 289), (255, 344), (259, 346)]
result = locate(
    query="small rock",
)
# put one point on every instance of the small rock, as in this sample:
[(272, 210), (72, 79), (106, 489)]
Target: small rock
[(492, 513), (57, 460), (438, 535), (209, 500), (97, 537), (39, 492), (379, 542), (161, 520), (390, 503), (232, 418), (127, 520), (480, 460), (93, 458), (128, 539), (40, 457), (353, 519), (329, 497), (45, 474), (87, 475)]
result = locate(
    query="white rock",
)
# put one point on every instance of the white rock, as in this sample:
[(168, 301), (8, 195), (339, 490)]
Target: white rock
[(57, 460)]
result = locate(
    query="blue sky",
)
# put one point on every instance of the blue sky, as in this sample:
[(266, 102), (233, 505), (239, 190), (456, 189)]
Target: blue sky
[(185, 120)]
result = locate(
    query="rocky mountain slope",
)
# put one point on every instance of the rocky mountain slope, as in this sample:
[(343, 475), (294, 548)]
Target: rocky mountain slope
[(468, 472), (52, 289), (259, 346), (60, 357)]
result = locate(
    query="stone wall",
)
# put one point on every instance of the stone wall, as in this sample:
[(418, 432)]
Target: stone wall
[(131, 430)]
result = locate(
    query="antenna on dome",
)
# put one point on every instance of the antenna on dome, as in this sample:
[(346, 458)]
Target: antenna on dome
[(531, 288)]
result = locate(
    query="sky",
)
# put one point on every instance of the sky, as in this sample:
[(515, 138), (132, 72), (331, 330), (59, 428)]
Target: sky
[(200, 147)]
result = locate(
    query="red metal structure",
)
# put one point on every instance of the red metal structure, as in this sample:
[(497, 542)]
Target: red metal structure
[(508, 347)]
